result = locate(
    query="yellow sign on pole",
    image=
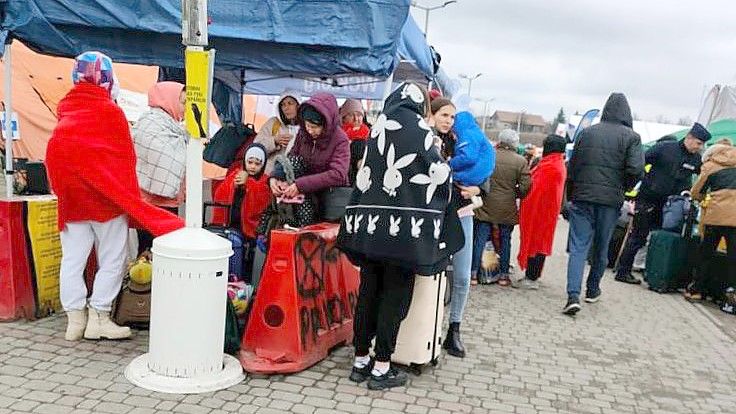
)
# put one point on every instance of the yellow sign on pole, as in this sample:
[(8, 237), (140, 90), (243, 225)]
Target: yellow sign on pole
[(43, 234), (199, 71)]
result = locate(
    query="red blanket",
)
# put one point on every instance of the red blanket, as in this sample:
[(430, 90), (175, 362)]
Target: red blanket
[(540, 209), (91, 164), (257, 197)]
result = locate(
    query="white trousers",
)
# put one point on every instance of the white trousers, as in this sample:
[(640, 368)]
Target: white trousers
[(110, 242)]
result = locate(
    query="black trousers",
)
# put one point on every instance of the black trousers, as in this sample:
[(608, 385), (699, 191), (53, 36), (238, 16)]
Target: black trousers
[(647, 217), (711, 237), (145, 239), (534, 267), (383, 302)]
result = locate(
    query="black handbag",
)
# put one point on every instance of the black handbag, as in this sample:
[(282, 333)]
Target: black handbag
[(224, 146), (333, 201)]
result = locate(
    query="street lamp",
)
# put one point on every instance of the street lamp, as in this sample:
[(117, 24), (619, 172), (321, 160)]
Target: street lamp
[(429, 9), (485, 111), (470, 80), (518, 123)]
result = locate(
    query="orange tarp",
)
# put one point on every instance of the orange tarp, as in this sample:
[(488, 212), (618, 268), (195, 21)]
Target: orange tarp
[(40, 82)]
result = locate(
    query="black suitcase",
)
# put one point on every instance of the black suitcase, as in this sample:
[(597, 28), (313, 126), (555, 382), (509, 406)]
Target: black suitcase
[(236, 238)]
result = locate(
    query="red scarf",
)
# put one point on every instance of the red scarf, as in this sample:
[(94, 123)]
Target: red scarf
[(540, 209), (91, 164), (356, 134)]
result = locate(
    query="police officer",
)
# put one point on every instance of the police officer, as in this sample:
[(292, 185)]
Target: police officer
[(673, 164)]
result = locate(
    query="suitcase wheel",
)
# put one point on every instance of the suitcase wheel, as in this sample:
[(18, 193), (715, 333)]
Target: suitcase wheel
[(434, 362), (415, 369)]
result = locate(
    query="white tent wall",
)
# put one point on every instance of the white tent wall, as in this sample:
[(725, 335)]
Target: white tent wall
[(649, 131), (720, 103)]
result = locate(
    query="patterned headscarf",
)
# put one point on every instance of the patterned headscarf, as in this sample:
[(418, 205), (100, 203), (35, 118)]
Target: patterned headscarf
[(95, 68)]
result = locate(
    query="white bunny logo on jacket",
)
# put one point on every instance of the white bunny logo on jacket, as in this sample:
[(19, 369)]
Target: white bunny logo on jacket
[(402, 192)]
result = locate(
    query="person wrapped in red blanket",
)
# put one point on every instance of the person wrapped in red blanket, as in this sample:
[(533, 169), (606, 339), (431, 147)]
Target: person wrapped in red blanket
[(246, 190), (540, 209), (91, 165)]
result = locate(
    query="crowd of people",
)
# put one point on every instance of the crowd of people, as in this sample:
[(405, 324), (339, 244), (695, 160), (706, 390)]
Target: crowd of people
[(429, 191)]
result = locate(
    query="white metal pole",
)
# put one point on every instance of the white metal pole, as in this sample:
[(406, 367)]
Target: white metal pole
[(8, 121), (194, 183), (485, 109)]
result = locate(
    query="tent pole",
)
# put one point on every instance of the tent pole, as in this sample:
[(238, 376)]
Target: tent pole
[(7, 57), (387, 86)]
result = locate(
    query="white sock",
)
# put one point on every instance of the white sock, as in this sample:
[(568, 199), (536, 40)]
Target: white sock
[(362, 361), (380, 368)]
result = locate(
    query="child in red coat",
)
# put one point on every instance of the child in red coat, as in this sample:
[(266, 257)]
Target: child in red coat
[(246, 190)]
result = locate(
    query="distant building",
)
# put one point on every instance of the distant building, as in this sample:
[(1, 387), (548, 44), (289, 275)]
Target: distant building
[(518, 121), (532, 128)]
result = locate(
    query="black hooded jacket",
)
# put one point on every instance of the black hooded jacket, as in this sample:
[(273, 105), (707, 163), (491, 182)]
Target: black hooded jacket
[(607, 159)]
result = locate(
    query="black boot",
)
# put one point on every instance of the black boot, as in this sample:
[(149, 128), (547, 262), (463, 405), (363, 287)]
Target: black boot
[(453, 344)]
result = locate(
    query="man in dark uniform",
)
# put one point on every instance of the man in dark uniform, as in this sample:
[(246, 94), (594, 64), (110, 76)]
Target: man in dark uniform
[(673, 164)]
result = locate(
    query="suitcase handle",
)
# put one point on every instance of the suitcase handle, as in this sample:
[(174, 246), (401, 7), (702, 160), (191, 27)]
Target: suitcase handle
[(213, 204)]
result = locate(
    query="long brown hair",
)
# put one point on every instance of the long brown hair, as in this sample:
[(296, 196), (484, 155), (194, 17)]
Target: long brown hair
[(440, 103)]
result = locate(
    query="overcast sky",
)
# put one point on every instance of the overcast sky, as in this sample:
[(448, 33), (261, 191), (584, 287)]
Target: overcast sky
[(541, 55)]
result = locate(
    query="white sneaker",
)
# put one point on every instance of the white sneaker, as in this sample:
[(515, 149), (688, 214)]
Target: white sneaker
[(516, 282), (530, 284), (100, 326), (76, 322)]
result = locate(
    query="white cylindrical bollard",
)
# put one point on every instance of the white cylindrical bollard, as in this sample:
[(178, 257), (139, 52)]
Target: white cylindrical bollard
[(188, 294)]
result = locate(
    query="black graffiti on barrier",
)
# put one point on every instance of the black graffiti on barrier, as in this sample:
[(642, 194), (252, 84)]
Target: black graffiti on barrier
[(310, 250), (323, 312)]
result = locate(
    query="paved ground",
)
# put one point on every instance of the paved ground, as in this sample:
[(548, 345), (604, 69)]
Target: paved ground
[(634, 352)]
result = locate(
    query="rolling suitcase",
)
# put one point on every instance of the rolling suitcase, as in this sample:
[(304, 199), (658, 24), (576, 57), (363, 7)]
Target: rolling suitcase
[(236, 240), (666, 259), (420, 337), (670, 255)]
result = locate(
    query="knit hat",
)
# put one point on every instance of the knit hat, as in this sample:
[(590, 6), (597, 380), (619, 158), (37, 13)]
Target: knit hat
[(698, 131), (95, 68), (309, 113), (509, 137), (257, 152), (554, 144), (350, 107)]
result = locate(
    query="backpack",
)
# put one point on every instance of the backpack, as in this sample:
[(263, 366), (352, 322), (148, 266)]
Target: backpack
[(675, 213), (224, 146)]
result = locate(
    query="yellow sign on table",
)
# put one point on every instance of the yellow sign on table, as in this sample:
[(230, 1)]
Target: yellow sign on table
[(199, 71), (43, 234)]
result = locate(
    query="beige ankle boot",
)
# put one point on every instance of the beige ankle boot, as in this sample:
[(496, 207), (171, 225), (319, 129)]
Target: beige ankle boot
[(100, 326), (76, 322)]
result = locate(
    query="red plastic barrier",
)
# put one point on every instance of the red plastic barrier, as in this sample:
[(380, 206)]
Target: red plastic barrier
[(304, 305), (16, 288)]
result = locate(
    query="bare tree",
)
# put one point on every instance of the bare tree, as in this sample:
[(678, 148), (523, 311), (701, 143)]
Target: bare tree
[(685, 121)]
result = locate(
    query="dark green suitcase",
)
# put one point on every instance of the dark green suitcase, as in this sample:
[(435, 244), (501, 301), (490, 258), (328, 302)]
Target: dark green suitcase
[(666, 259)]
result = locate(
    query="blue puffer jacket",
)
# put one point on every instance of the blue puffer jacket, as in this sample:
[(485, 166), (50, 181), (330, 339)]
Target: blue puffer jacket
[(474, 157)]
